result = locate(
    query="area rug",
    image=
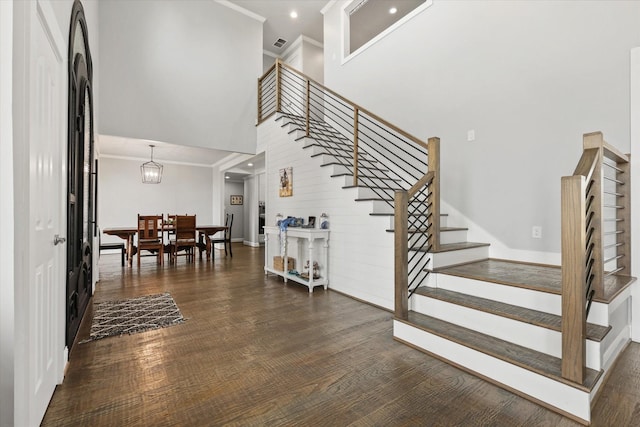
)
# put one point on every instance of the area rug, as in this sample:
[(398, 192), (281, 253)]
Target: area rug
[(133, 315)]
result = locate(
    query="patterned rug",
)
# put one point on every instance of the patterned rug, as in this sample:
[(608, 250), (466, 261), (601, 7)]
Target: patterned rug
[(134, 315)]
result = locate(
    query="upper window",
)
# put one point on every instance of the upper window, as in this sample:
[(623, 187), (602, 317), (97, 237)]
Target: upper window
[(367, 21)]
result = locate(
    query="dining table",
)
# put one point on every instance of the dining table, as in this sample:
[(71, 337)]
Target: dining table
[(128, 234)]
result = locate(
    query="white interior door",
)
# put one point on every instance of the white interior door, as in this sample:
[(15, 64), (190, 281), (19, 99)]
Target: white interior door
[(47, 118)]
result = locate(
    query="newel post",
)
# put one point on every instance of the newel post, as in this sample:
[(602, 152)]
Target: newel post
[(401, 250), (433, 161), (574, 238)]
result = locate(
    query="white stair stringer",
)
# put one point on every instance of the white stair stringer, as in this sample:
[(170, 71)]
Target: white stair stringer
[(558, 395)]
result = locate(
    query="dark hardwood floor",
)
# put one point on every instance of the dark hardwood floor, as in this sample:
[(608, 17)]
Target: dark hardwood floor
[(257, 352)]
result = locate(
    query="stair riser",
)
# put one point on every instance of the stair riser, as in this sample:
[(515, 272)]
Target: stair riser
[(535, 300), (378, 206), (341, 168), (298, 132), (553, 393), (527, 335), (368, 193), (453, 236), (528, 298), (375, 182), (314, 149), (443, 259)]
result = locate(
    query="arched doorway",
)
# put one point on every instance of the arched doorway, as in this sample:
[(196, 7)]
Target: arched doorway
[(81, 225)]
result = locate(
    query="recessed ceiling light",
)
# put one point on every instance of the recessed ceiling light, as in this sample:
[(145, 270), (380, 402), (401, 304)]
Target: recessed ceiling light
[(249, 164), (226, 177), (393, 10), (293, 14)]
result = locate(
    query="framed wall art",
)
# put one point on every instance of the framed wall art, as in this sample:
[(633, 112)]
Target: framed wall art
[(286, 182), (236, 199)]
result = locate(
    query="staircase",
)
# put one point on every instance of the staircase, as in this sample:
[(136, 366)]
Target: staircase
[(498, 319)]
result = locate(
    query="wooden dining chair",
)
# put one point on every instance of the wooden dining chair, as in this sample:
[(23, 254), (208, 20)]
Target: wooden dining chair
[(184, 238), (150, 236), (226, 237)]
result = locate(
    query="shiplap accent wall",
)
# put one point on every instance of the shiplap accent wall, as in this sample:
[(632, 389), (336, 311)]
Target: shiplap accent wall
[(360, 248)]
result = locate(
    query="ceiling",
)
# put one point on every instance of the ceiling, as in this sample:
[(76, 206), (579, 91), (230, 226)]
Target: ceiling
[(277, 24)]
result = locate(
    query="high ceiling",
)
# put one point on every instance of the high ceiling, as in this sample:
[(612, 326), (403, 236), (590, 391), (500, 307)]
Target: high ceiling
[(279, 24)]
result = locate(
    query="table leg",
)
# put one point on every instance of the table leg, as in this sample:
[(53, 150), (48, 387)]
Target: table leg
[(208, 240), (130, 250)]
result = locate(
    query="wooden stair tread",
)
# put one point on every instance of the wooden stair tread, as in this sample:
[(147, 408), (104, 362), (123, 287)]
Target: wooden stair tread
[(526, 315), (523, 357), (545, 278)]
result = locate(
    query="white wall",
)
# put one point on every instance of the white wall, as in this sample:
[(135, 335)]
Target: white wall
[(360, 249), (184, 189), (306, 55), (238, 227), (182, 72), (529, 77)]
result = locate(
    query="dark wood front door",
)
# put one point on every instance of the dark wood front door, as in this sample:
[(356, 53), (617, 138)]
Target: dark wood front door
[(80, 185)]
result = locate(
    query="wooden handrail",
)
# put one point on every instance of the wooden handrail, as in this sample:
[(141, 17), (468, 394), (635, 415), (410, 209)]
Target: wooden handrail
[(587, 164), (426, 179), (354, 105)]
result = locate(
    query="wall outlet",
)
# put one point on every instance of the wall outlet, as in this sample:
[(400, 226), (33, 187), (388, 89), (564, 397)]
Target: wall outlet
[(471, 135), (536, 232)]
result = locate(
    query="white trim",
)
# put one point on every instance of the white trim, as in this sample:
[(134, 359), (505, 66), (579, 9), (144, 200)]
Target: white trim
[(634, 120), (344, 16), (242, 10), (327, 6), (7, 308), (271, 54), (145, 159)]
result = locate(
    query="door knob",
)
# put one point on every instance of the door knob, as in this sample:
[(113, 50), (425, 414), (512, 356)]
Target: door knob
[(57, 240)]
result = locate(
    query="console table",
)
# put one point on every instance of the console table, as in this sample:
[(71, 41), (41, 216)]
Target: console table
[(301, 244)]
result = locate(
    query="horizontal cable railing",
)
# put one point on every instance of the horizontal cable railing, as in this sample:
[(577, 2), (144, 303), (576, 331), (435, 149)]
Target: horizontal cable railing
[(595, 241), (378, 155)]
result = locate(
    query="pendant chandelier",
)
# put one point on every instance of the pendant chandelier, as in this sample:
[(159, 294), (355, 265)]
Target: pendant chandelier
[(151, 171)]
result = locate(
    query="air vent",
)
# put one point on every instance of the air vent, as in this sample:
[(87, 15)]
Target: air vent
[(280, 43)]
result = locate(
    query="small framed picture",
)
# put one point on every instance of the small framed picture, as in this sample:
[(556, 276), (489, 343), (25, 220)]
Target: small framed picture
[(286, 182), (236, 200)]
